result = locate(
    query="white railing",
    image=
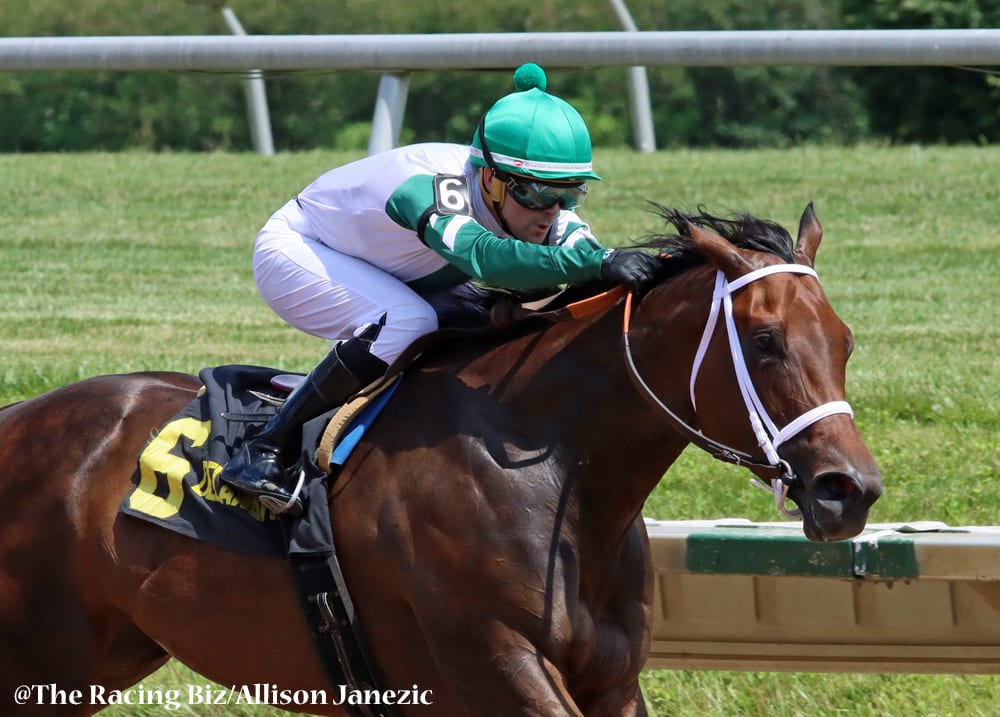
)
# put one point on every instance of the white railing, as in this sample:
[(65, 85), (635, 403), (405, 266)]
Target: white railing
[(398, 55), (491, 50)]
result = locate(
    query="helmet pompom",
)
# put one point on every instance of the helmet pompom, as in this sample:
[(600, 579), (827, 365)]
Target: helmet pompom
[(528, 76)]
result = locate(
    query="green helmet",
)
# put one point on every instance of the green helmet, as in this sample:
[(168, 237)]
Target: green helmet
[(534, 133)]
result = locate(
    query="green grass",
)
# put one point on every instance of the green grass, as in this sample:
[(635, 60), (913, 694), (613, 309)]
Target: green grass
[(124, 262)]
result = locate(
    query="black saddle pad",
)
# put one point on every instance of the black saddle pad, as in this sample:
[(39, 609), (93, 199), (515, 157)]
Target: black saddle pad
[(177, 483)]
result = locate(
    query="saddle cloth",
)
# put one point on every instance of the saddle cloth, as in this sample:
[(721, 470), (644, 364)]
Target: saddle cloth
[(177, 484)]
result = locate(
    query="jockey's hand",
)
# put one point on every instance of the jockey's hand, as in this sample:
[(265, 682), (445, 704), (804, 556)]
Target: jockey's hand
[(629, 266)]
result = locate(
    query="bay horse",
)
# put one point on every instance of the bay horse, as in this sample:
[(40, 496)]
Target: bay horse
[(489, 524)]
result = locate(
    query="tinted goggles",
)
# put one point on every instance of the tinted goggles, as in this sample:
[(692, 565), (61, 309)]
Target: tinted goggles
[(532, 194)]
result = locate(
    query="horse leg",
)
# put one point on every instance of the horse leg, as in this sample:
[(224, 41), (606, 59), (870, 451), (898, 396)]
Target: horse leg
[(129, 655), (498, 671), (635, 706), (69, 656), (609, 685)]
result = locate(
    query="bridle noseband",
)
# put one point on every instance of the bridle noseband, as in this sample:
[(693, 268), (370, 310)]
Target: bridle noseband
[(769, 436)]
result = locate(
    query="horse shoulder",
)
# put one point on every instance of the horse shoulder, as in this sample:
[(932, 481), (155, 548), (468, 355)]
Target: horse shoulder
[(455, 515), (455, 545)]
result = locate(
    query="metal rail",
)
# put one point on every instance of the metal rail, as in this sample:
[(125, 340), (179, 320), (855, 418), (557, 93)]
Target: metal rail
[(495, 51)]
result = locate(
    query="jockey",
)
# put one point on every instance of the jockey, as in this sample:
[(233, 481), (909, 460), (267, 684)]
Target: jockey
[(362, 252)]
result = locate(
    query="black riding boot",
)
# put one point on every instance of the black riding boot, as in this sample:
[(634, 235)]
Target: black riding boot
[(257, 468)]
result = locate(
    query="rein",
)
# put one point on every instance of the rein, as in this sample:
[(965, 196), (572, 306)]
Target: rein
[(768, 435)]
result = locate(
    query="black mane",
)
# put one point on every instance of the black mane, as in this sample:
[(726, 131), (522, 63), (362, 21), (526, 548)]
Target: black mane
[(741, 229)]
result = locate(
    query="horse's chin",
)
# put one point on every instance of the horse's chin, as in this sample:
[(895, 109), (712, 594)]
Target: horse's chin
[(814, 532), (824, 521), (835, 503)]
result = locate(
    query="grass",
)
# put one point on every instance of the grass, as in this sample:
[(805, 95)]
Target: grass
[(121, 262)]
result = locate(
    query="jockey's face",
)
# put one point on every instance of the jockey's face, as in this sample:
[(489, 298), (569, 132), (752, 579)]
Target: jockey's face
[(530, 225)]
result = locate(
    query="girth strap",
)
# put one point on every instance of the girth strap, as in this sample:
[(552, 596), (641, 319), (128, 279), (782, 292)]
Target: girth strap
[(335, 631)]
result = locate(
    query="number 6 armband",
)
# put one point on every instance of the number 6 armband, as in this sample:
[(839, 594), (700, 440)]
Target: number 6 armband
[(451, 194), (451, 197)]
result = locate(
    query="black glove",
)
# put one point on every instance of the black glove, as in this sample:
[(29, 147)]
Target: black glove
[(629, 266)]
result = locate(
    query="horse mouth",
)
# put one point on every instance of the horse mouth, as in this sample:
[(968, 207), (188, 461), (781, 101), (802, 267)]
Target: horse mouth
[(835, 506)]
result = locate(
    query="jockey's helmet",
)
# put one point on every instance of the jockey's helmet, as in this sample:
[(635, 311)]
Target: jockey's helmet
[(530, 132)]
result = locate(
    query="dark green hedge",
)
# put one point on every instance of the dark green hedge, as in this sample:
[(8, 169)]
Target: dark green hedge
[(729, 107)]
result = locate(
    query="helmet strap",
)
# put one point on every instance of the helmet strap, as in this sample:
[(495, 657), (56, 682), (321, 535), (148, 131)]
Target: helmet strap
[(495, 195), (498, 190)]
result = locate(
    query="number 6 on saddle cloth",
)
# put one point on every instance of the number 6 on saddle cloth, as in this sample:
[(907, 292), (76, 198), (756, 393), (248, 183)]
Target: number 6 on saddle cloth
[(177, 485)]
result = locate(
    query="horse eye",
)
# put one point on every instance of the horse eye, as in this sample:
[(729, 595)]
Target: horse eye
[(765, 341)]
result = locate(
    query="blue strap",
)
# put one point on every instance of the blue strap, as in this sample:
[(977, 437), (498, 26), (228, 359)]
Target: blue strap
[(352, 436)]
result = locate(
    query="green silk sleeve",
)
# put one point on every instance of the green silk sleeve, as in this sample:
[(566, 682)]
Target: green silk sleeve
[(478, 252)]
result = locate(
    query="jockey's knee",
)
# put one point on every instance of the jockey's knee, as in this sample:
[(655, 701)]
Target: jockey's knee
[(403, 327)]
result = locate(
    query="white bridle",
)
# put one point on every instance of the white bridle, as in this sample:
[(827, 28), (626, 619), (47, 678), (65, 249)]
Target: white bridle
[(768, 435)]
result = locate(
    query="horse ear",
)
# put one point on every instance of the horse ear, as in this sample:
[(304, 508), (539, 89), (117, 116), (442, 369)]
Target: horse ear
[(718, 251), (810, 233)]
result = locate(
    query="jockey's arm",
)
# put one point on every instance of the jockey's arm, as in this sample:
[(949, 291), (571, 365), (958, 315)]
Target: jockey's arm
[(483, 255)]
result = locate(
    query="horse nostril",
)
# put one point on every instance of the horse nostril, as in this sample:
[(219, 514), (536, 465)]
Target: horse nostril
[(836, 486)]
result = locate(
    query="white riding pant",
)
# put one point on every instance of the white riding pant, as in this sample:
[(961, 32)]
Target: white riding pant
[(332, 295)]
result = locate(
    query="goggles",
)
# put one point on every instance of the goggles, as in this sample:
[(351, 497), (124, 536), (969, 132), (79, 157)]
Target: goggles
[(532, 194)]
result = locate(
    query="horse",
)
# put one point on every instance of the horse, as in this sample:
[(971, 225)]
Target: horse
[(488, 525)]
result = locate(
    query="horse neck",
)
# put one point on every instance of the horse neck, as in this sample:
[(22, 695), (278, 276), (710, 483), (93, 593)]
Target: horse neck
[(568, 388), (639, 445)]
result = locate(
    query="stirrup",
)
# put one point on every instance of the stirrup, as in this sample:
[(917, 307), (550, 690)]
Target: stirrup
[(245, 475), (293, 506)]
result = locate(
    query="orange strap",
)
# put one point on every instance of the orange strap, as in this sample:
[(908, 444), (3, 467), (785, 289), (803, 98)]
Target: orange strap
[(627, 320), (593, 304), (536, 309)]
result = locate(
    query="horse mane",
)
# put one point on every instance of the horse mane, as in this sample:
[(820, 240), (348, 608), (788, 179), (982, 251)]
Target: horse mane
[(741, 229)]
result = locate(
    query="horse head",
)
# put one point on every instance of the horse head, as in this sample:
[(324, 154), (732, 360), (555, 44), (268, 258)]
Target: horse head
[(783, 408)]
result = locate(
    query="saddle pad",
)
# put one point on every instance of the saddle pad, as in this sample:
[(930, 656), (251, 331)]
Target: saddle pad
[(177, 484)]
